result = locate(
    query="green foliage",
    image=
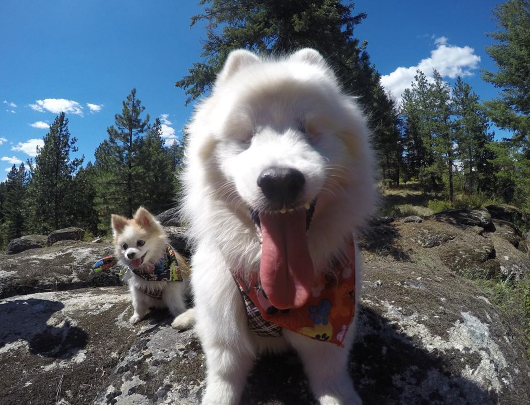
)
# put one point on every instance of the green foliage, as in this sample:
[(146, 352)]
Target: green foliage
[(118, 164), (53, 196), (13, 214), (440, 205), (511, 53)]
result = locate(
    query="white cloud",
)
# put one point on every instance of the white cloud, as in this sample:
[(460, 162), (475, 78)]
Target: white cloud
[(40, 125), (12, 160), (8, 169), (29, 147), (449, 60), (440, 41), (2, 140), (168, 132), (94, 108), (10, 104), (58, 105), (12, 111)]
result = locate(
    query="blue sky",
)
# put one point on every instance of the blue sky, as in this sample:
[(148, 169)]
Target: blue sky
[(84, 57)]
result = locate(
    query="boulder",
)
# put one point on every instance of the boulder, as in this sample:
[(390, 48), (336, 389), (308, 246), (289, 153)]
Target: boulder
[(469, 217), (506, 212), (510, 232), (412, 218), (179, 239), (71, 233), (169, 217), (421, 339), (62, 266), (25, 243)]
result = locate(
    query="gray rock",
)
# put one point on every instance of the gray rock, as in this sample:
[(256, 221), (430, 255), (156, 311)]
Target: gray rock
[(477, 217), (412, 218), (179, 239), (510, 232), (428, 239), (506, 212), (25, 243), (65, 265), (169, 217), (416, 343), (71, 233)]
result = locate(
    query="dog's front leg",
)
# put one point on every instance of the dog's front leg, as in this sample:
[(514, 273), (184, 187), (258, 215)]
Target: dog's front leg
[(326, 366), (221, 325)]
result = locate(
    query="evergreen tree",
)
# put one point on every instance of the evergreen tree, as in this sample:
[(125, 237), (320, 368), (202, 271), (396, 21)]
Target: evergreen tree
[(53, 198), (418, 112), (278, 27), (471, 134), (15, 190), (158, 172), (118, 166), (511, 53), (442, 129), (85, 213)]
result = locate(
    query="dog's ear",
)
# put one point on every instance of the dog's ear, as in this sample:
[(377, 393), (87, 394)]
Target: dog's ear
[(235, 61), (118, 223), (310, 56), (144, 218)]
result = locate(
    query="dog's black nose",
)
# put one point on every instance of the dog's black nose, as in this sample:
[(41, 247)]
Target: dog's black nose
[(281, 186), (130, 255)]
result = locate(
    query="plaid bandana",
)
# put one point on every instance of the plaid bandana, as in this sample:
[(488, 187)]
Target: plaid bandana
[(326, 316), (165, 269)]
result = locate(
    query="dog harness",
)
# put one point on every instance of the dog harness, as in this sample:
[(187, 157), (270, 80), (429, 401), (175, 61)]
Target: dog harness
[(165, 269), (326, 316)]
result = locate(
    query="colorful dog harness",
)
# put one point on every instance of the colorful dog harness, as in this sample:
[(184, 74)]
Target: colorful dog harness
[(165, 269), (326, 316)]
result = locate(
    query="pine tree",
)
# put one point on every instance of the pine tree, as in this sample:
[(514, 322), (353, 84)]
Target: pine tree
[(511, 53), (157, 171), (118, 166), (85, 213), (444, 142), (15, 190), (53, 199), (471, 127)]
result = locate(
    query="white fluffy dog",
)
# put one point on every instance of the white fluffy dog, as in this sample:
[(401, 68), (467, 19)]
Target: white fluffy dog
[(279, 177), (157, 275)]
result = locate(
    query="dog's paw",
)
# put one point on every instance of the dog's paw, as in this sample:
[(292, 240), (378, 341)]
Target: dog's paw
[(135, 319), (184, 321)]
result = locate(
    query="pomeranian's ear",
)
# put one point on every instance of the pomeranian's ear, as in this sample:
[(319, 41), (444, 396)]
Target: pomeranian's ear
[(118, 223), (235, 61), (144, 218)]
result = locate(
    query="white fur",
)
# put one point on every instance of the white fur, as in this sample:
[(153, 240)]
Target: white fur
[(145, 227), (262, 113)]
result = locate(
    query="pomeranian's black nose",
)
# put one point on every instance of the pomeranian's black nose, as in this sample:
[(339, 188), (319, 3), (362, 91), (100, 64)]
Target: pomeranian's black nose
[(281, 186), (130, 255)]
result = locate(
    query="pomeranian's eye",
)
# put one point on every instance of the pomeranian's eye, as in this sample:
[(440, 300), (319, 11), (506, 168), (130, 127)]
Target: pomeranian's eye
[(125, 246), (140, 243)]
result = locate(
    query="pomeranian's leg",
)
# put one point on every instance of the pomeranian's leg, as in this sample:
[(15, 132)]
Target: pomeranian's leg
[(326, 366), (140, 303), (221, 325)]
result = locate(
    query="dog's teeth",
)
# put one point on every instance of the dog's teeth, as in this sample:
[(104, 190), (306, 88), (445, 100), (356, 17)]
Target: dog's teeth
[(283, 210), (307, 206)]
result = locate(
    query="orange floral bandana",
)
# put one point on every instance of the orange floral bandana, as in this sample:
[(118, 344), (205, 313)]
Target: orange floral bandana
[(326, 316)]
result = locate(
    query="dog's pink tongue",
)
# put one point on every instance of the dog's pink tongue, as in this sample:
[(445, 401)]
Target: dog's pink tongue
[(136, 263), (286, 268)]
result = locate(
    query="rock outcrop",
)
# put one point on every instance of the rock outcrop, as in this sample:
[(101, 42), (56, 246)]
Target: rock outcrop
[(426, 334), (27, 242)]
